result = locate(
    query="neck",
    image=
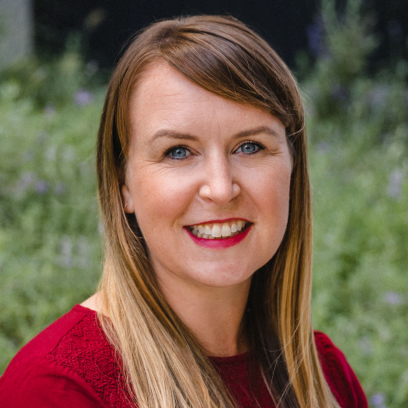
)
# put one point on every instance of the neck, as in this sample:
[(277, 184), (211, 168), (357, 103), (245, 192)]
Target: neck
[(213, 315)]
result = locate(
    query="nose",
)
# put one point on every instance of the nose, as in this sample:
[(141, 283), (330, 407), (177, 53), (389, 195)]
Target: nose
[(218, 183)]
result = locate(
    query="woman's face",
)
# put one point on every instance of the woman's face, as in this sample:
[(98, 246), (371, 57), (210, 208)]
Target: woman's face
[(200, 164)]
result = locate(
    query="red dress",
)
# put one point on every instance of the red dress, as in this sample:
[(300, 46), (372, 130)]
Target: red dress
[(71, 364)]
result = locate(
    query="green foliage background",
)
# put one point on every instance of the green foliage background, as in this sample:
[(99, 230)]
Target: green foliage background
[(50, 252)]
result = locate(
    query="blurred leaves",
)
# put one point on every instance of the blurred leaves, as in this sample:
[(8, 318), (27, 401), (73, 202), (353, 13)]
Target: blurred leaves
[(50, 256), (49, 241), (358, 139), (52, 84), (335, 77)]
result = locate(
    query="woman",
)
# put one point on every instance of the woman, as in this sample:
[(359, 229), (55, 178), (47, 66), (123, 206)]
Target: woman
[(204, 191)]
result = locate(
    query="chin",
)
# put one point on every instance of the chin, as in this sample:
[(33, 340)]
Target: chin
[(222, 276)]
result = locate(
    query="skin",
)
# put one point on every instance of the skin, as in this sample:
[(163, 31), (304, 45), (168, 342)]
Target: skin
[(222, 174)]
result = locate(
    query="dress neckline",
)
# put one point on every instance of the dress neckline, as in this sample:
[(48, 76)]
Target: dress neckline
[(236, 359)]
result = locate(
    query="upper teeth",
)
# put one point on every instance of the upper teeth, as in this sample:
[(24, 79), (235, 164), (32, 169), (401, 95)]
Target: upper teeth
[(218, 230)]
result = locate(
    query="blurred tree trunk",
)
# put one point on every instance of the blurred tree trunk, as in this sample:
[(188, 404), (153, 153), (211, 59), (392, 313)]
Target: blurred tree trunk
[(16, 31)]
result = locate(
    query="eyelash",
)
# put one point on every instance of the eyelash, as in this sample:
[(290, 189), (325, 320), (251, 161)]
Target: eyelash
[(167, 152)]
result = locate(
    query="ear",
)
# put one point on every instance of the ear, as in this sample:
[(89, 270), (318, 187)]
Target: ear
[(127, 200)]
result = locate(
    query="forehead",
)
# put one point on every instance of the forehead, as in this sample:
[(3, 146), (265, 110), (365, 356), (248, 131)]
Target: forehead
[(164, 97)]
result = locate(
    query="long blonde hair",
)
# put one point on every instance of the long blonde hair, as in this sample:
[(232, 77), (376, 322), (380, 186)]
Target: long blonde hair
[(163, 363)]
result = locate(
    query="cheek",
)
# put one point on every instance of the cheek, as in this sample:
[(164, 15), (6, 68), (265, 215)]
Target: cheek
[(271, 193), (271, 185), (278, 192), (160, 199), (274, 207)]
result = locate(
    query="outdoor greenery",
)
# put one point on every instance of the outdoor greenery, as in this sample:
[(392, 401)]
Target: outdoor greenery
[(50, 252)]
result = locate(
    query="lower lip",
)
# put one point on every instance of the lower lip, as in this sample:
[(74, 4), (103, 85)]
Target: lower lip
[(219, 243)]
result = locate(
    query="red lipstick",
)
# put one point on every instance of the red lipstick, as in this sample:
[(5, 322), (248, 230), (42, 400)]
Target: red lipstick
[(219, 243)]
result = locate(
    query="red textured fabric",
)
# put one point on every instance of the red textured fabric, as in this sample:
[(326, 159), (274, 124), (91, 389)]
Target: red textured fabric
[(71, 364)]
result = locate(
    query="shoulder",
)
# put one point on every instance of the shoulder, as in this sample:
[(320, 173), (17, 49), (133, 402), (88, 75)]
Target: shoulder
[(338, 373), (39, 383), (46, 341), (69, 362)]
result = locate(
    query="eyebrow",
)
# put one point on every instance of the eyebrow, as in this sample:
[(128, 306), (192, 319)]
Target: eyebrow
[(186, 136)]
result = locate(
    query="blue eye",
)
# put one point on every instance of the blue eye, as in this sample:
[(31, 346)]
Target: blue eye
[(249, 148), (178, 152)]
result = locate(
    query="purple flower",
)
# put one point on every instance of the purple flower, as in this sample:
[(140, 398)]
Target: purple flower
[(59, 188), (340, 93), (395, 182), (83, 97), (315, 39), (66, 247), (378, 96), (25, 181), (323, 147), (378, 400), (366, 345), (395, 29), (92, 67), (42, 187), (84, 250), (393, 298), (49, 110), (28, 155)]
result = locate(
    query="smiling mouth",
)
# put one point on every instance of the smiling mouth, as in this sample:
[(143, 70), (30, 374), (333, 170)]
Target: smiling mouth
[(219, 230)]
